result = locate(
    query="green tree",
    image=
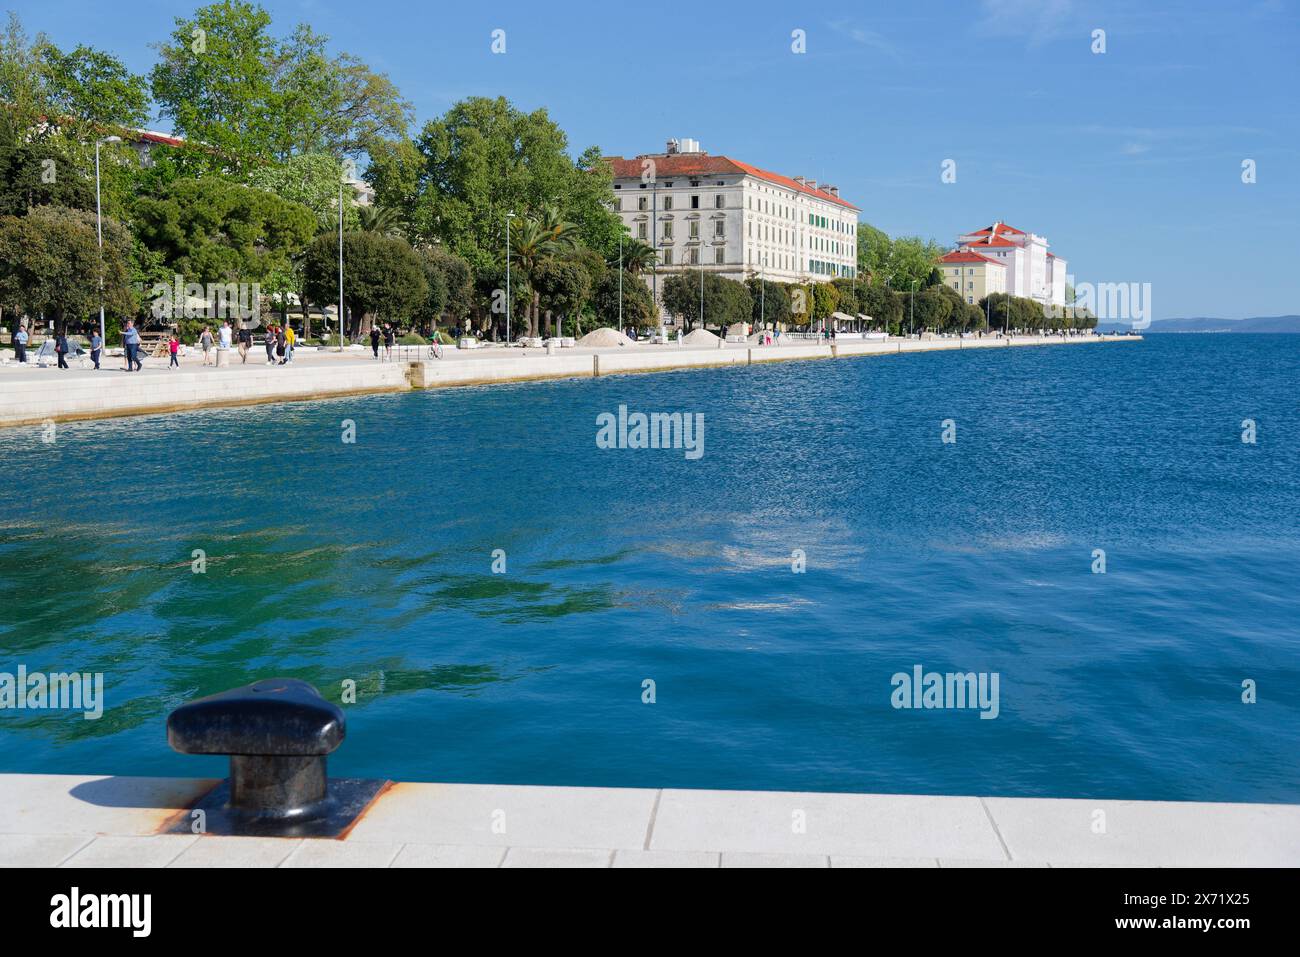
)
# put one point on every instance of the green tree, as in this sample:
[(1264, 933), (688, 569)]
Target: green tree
[(450, 287), (873, 251), (770, 303), (383, 278), (725, 300), (211, 230), (94, 88), (638, 306), (51, 266), (825, 300), (638, 257), (562, 287)]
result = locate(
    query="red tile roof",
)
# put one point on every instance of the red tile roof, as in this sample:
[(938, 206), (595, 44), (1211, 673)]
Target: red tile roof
[(990, 241), (968, 256), (671, 165), (996, 229)]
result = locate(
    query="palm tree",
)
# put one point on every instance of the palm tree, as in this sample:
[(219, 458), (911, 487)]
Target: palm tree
[(637, 256), (535, 240), (379, 219)]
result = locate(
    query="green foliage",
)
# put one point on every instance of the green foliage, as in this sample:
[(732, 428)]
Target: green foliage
[(825, 300), (41, 173), (383, 277), (93, 87), (638, 304), (212, 230), (873, 251), (450, 289), (311, 179), (562, 287), (770, 303), (51, 266), (726, 301), (225, 81)]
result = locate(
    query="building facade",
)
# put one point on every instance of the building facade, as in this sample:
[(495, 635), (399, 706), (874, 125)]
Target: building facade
[(973, 275), (725, 216), (1033, 272)]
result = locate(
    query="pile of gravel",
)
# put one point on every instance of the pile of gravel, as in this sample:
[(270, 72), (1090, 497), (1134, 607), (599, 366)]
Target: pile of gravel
[(605, 336), (701, 337)]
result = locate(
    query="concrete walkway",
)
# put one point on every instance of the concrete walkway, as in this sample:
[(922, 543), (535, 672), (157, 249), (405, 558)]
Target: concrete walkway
[(31, 395), (53, 820)]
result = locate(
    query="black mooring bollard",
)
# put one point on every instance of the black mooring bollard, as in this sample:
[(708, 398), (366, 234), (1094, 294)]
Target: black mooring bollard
[(277, 733)]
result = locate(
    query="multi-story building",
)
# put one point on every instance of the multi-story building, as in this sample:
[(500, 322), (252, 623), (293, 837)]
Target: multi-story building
[(1032, 271), (973, 275), (725, 216)]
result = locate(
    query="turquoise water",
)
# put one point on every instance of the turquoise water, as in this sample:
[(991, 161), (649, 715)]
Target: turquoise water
[(371, 562)]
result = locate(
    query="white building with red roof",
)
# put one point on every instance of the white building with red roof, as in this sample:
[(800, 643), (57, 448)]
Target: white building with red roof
[(973, 275), (1032, 270), (725, 216)]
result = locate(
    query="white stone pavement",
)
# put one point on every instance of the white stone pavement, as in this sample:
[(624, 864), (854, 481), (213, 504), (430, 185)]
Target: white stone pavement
[(31, 395), (58, 820)]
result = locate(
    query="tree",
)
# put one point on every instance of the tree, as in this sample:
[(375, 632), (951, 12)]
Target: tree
[(382, 277), (873, 250), (211, 230), (847, 290), (638, 257), (911, 259), (825, 300), (93, 88), (562, 287), (534, 241), (450, 287), (379, 219), (41, 173), (484, 159), (311, 179), (770, 303), (933, 306), (884, 306), (725, 300), (51, 266), (226, 82), (638, 307)]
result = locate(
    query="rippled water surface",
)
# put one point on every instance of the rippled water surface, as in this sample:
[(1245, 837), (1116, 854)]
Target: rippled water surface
[(371, 562)]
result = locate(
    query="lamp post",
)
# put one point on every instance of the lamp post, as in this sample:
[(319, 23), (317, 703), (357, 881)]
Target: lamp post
[(509, 216), (701, 265), (99, 235), (911, 309), (342, 177), (620, 278)]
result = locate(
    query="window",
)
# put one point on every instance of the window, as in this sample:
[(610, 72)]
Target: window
[(618, 204), (695, 202), (668, 230), (718, 228), (695, 255), (640, 231), (695, 229), (668, 202), (668, 257), (718, 255), (719, 201), (642, 203)]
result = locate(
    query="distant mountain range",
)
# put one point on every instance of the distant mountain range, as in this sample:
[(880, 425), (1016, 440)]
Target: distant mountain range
[(1255, 324)]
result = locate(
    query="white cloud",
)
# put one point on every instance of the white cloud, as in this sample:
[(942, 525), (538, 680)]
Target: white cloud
[(1037, 21)]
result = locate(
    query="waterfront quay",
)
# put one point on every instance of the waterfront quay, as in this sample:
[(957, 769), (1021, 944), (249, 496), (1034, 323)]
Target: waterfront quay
[(86, 821), (30, 395)]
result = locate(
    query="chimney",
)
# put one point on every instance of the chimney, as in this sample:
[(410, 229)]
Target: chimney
[(811, 183), (672, 147), (833, 190), (800, 180)]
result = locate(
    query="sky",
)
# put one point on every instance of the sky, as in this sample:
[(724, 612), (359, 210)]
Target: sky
[(1129, 161)]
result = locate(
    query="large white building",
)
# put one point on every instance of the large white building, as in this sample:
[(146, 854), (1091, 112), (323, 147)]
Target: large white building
[(1032, 271), (725, 216)]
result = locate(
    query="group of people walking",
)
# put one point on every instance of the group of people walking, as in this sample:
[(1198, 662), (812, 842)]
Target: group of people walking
[(389, 337)]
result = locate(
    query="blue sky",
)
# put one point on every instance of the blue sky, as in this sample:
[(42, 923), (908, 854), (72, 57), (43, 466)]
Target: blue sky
[(1128, 161)]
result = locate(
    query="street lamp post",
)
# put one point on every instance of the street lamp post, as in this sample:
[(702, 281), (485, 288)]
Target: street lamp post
[(99, 235), (911, 309), (509, 216), (620, 278), (341, 179)]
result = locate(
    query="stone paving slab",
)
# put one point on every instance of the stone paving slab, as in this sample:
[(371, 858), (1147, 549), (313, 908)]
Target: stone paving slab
[(72, 821)]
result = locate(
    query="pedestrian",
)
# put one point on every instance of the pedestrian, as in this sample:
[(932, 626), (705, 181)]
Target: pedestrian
[(280, 342), (205, 341), (245, 343), (61, 349), (390, 335), (20, 343), (225, 333), (96, 347), (174, 347), (131, 344), (270, 345), (289, 339), (374, 340)]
